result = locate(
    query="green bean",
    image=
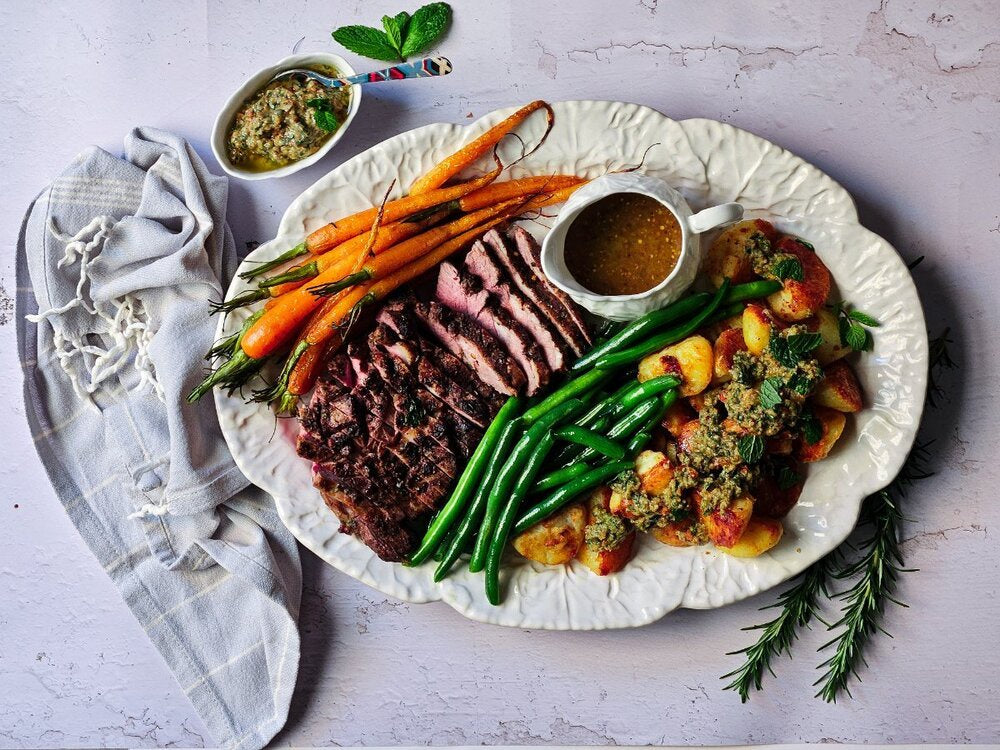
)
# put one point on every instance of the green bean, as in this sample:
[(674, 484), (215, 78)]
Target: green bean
[(560, 476), (573, 388), (751, 290), (653, 387), (634, 353), (604, 405), (568, 492), (727, 311), (509, 472), (467, 483), (674, 311), (637, 443), (582, 436), (474, 516), (506, 520), (438, 555), (640, 326), (666, 401), (634, 421)]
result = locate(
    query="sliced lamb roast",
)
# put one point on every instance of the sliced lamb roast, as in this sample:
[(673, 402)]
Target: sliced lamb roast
[(464, 338), (532, 253), (464, 293), (534, 290), (481, 263)]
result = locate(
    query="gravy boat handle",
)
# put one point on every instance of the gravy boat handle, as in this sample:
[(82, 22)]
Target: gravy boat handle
[(714, 217)]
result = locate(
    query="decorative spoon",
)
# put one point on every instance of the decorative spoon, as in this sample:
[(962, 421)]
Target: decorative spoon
[(425, 68)]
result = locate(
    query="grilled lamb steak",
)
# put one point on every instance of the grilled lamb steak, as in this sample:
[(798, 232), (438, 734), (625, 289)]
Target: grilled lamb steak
[(536, 291), (481, 263), (464, 293), (464, 338)]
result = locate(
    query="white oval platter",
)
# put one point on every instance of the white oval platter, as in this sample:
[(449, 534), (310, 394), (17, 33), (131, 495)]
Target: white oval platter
[(710, 163)]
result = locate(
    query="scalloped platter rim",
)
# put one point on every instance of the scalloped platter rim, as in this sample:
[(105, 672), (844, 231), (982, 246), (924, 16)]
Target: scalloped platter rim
[(709, 162)]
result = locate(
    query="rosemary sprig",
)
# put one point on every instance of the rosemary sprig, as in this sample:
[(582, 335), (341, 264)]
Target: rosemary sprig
[(940, 359), (798, 605), (877, 571)]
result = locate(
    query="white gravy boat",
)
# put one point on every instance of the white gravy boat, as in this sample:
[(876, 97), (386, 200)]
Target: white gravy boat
[(631, 306)]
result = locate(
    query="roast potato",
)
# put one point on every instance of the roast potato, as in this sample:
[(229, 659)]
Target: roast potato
[(557, 539), (725, 526), (798, 300), (824, 322), (678, 414), (690, 359), (839, 389), (760, 535), (770, 500), (727, 257), (688, 532), (757, 324), (832, 422), (604, 562), (654, 470), (727, 344)]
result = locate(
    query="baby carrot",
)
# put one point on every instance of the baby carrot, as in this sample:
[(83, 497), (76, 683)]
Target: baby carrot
[(523, 188), (471, 151)]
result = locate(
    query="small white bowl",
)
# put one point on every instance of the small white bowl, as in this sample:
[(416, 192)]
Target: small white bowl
[(631, 306), (257, 82)]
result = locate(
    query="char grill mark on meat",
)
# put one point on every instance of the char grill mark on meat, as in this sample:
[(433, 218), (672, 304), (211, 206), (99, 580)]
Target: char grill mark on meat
[(430, 375), (463, 293), (528, 283), (481, 263), (480, 351), (398, 315), (531, 254)]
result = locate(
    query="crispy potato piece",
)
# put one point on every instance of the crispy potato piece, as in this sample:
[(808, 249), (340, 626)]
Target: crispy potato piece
[(757, 323), (557, 539), (691, 359), (688, 532), (760, 535), (604, 562), (727, 256), (839, 389), (677, 416), (798, 300), (684, 435), (713, 331), (724, 527), (654, 470), (727, 344), (771, 501), (833, 426), (781, 444), (824, 322), (699, 400)]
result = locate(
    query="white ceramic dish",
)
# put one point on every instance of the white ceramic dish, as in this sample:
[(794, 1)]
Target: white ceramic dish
[(710, 163), (254, 84), (692, 225)]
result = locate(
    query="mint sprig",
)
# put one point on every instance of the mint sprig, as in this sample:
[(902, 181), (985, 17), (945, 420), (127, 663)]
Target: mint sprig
[(401, 35)]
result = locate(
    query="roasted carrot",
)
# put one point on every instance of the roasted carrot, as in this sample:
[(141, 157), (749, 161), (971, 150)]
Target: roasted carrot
[(282, 319), (331, 235), (525, 187), (405, 252), (471, 151), (344, 254)]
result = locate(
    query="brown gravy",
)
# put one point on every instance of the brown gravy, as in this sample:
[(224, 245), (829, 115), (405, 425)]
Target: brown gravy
[(626, 243)]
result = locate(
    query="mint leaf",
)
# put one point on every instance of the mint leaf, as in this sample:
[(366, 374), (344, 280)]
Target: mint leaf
[(788, 268), (751, 448), (788, 478), (863, 318), (781, 352), (326, 120), (857, 337), (812, 430), (770, 393), (802, 343), (426, 26), (367, 42), (320, 103), (394, 31), (800, 384)]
